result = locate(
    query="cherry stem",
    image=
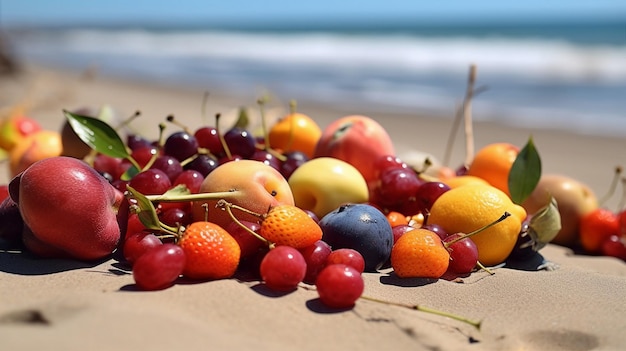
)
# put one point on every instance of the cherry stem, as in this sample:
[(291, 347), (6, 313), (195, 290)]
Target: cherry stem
[(193, 197), (461, 237), (266, 134), (421, 308), (228, 207), (221, 137), (224, 203), (482, 266), (174, 121)]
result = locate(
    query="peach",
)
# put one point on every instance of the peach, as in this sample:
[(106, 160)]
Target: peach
[(34, 147), (574, 200), (68, 207), (16, 128), (358, 140), (246, 183)]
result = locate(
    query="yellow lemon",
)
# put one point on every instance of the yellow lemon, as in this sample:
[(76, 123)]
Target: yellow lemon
[(457, 181), (472, 206)]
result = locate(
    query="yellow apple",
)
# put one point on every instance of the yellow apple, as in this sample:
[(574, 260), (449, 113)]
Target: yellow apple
[(325, 183)]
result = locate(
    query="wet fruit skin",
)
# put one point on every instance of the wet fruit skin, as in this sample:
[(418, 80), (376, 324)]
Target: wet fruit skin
[(360, 227), (89, 224)]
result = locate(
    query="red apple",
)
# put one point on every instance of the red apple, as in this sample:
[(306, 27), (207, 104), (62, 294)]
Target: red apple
[(357, 140), (246, 183), (68, 207)]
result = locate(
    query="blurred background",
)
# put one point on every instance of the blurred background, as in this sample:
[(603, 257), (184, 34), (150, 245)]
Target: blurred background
[(553, 64)]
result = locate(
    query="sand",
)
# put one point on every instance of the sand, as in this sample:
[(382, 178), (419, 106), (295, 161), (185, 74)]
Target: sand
[(71, 305)]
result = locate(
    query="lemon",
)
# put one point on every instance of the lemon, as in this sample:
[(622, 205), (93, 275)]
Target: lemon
[(474, 205)]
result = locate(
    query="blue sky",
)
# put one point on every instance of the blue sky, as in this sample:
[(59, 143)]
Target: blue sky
[(29, 12)]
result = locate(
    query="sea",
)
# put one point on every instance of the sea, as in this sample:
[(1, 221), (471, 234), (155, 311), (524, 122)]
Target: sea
[(568, 75)]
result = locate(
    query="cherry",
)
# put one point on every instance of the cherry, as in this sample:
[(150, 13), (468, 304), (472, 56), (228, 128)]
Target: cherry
[(176, 216), (339, 286), (267, 158), (428, 193), (134, 142), (134, 225), (463, 254), (315, 256), (137, 244), (399, 230), (151, 182), (181, 145), (349, 257), (294, 159), (208, 138), (248, 243), (169, 165), (615, 246), (204, 164), (240, 142), (283, 268), (437, 229), (387, 162), (159, 268), (396, 186), (192, 179), (143, 155), (105, 164)]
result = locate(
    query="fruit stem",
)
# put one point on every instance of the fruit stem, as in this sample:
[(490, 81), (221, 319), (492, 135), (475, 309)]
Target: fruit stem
[(611, 191), (227, 206), (173, 120), (482, 266), (266, 135), (421, 308), (461, 237), (221, 137), (224, 203), (193, 197)]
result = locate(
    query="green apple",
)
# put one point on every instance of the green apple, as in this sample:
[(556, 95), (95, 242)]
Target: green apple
[(322, 184)]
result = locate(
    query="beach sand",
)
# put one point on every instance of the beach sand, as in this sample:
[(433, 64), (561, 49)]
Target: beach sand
[(71, 305)]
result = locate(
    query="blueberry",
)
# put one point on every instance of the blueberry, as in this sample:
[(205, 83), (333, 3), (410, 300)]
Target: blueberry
[(360, 227)]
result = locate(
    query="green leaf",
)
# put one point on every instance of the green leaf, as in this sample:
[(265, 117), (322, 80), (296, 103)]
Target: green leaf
[(525, 173), (544, 225), (243, 121), (146, 211), (180, 189), (98, 135)]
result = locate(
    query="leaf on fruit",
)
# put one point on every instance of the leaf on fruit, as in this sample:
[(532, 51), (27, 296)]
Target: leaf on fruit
[(544, 225), (146, 212), (180, 189), (96, 133), (243, 120), (525, 173), (130, 173)]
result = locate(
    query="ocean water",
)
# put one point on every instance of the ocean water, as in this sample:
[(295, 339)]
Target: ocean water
[(561, 75)]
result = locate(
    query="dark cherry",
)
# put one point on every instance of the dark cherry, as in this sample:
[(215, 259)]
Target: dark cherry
[(181, 145)]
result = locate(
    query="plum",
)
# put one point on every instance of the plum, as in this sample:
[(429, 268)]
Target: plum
[(361, 227)]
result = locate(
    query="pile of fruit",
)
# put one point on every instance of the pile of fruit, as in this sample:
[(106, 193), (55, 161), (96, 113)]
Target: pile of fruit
[(296, 204)]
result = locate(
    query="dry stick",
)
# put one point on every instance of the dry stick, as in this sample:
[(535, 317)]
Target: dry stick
[(611, 191), (467, 116), (461, 111)]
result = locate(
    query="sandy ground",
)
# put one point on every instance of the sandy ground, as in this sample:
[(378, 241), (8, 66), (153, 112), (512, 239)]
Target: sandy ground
[(70, 305)]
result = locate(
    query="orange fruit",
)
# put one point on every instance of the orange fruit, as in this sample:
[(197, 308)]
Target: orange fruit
[(458, 181), (293, 132), (291, 226), (211, 252), (472, 206), (493, 163), (34, 147), (396, 218), (596, 227), (419, 253)]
